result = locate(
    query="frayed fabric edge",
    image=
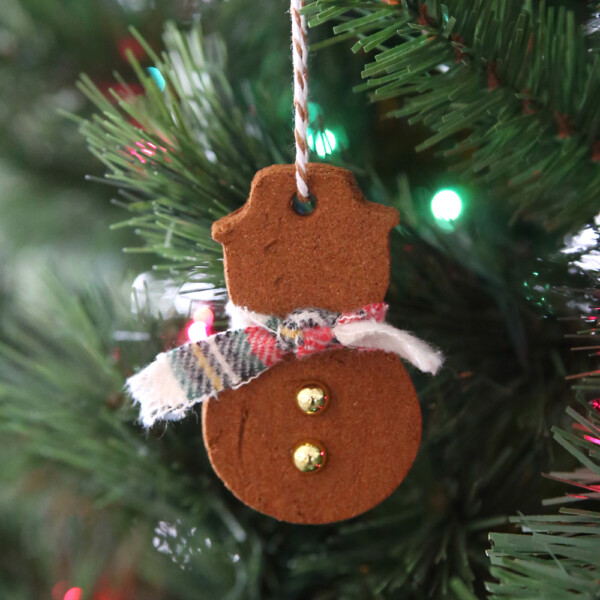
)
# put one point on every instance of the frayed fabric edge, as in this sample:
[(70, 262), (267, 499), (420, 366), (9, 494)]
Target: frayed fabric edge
[(160, 396)]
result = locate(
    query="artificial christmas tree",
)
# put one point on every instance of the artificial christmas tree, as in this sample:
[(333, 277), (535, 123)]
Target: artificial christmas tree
[(499, 99)]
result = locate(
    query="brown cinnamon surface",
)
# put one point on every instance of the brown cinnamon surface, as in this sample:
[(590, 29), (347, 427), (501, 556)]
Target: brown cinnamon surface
[(336, 258), (371, 431)]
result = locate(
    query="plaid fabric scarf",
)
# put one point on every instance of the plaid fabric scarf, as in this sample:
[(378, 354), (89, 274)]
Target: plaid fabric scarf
[(194, 372)]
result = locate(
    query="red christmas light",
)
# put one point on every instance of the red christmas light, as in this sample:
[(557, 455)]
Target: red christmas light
[(103, 590), (200, 327), (59, 590), (205, 315), (73, 594), (133, 46), (123, 91)]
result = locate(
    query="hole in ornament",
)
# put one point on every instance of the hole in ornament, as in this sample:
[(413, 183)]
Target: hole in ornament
[(304, 208)]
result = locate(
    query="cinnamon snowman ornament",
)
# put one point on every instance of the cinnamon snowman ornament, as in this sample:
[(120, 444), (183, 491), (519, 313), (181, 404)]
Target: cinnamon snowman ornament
[(309, 414)]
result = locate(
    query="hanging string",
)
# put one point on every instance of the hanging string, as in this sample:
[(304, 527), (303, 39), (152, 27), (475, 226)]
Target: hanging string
[(300, 61)]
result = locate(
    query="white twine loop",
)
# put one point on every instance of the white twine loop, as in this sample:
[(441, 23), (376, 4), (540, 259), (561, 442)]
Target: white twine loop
[(300, 61)]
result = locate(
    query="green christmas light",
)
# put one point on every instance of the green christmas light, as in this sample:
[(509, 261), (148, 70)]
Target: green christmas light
[(315, 112), (446, 205), (322, 142)]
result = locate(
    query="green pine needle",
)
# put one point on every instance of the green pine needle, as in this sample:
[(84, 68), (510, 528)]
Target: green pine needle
[(516, 83), (183, 157), (69, 431), (558, 556)]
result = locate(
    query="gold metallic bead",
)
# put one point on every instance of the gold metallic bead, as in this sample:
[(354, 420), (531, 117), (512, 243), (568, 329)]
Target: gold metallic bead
[(312, 398), (309, 457)]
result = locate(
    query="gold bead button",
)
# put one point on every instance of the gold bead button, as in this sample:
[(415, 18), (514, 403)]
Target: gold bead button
[(312, 399), (309, 457)]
